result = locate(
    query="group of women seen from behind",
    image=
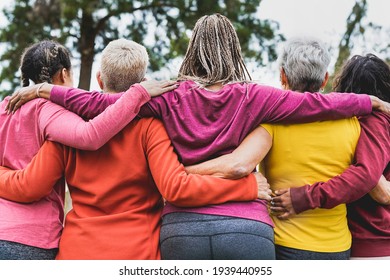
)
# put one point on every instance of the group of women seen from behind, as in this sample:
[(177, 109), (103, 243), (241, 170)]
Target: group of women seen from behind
[(212, 110)]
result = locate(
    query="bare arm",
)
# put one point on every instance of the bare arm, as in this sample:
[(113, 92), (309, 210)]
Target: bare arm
[(241, 162), (381, 192)]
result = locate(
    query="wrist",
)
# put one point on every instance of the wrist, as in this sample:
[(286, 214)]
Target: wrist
[(375, 102), (44, 90)]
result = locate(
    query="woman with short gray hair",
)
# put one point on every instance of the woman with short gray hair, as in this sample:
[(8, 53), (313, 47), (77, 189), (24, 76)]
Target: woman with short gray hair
[(302, 155), (305, 62)]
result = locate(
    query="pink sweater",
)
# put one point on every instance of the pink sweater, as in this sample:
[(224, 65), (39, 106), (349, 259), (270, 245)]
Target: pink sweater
[(39, 224), (203, 124)]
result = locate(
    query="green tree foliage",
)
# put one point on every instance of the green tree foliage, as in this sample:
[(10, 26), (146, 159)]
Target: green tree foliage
[(355, 28), (163, 26), (358, 31)]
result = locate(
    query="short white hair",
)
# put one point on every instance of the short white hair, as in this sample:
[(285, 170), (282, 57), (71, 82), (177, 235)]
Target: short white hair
[(124, 62), (305, 61)]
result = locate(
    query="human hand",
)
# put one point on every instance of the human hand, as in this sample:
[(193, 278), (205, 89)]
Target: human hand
[(380, 105), (25, 94), (381, 192), (281, 205), (155, 88), (263, 188)]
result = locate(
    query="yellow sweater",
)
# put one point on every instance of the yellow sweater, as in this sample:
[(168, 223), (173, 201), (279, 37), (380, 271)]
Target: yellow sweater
[(305, 154)]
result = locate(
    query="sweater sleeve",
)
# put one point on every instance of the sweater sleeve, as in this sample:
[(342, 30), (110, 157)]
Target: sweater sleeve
[(372, 155), (89, 104), (294, 107), (61, 125), (37, 179), (190, 190), (85, 104)]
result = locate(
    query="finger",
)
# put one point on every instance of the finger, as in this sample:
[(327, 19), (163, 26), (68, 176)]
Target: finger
[(267, 197), (284, 216), (281, 191), (276, 213), (6, 107), (170, 88), (277, 204), (277, 209), (264, 195), (277, 199), (168, 83), (11, 103), (17, 106)]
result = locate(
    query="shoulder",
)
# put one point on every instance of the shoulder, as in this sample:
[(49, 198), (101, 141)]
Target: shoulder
[(144, 125), (46, 107), (30, 107), (375, 119)]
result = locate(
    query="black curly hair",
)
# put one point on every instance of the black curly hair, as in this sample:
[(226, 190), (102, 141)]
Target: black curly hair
[(364, 74)]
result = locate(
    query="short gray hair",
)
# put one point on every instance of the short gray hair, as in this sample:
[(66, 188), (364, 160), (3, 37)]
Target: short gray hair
[(123, 64), (305, 61)]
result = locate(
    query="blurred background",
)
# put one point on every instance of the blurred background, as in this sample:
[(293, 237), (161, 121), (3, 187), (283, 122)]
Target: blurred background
[(164, 27)]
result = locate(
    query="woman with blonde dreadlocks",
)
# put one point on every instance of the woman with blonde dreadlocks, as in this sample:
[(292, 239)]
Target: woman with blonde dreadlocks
[(208, 115)]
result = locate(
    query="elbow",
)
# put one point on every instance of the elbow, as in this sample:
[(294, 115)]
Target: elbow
[(32, 196), (29, 198), (239, 170), (90, 146)]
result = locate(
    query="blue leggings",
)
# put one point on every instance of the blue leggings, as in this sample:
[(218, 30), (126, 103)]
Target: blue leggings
[(186, 236), (17, 251), (286, 253)]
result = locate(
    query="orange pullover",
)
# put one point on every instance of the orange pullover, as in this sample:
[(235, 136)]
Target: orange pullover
[(117, 191)]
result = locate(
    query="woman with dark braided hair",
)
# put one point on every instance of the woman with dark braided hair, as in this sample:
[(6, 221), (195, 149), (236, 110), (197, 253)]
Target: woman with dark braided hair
[(208, 115), (32, 231)]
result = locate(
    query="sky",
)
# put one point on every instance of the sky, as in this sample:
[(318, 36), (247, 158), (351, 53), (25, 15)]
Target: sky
[(323, 19)]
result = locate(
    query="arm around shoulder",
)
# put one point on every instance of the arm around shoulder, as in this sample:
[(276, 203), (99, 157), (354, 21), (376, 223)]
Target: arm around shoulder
[(190, 190)]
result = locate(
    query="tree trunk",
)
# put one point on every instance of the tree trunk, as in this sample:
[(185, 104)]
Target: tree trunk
[(86, 48), (87, 58)]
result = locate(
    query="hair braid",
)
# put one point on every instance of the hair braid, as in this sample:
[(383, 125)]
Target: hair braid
[(41, 61), (214, 53)]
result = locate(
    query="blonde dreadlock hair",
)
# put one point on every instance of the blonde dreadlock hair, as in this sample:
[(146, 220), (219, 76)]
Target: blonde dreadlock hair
[(214, 53)]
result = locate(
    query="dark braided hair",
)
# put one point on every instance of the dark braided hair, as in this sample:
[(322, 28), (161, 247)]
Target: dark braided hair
[(214, 53), (364, 74), (41, 61)]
